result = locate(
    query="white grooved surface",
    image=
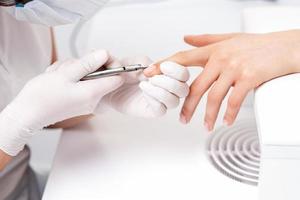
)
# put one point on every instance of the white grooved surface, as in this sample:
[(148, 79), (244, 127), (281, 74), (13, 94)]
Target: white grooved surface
[(235, 151)]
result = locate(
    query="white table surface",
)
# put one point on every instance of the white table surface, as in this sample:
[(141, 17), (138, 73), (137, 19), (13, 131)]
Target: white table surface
[(113, 157)]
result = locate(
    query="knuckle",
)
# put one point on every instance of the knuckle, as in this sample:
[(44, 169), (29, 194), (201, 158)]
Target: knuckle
[(188, 109), (247, 75), (232, 63), (234, 103), (208, 117), (196, 90), (228, 60), (229, 117), (221, 54), (180, 55)]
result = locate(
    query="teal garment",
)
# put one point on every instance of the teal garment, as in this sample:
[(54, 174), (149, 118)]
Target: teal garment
[(18, 181)]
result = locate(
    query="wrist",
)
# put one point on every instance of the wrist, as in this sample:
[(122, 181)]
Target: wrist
[(293, 46), (295, 61)]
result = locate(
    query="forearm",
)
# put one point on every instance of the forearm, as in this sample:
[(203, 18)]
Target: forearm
[(4, 159)]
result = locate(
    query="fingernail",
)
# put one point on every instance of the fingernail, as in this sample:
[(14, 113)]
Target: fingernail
[(207, 127), (183, 119), (225, 122), (150, 69)]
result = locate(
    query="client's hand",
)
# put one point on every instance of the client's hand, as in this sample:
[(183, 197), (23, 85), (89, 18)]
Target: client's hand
[(241, 61)]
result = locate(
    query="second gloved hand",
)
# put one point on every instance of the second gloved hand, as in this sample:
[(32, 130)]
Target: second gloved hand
[(152, 97)]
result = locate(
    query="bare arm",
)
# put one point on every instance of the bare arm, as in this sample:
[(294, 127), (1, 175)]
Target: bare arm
[(71, 122), (4, 159)]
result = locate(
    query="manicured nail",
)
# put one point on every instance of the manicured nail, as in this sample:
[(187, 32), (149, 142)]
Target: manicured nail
[(183, 119), (225, 122), (207, 127), (150, 69)]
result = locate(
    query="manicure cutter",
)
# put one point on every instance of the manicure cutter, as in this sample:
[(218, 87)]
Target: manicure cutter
[(114, 71)]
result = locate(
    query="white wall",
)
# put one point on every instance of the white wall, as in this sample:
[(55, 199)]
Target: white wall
[(120, 23)]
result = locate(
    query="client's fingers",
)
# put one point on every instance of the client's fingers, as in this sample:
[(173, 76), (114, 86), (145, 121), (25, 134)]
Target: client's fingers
[(194, 57), (235, 101), (215, 97), (207, 39), (201, 84)]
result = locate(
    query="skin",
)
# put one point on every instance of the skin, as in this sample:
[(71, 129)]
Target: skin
[(4, 160), (238, 61), (69, 123)]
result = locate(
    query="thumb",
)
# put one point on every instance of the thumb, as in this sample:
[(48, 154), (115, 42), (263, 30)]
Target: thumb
[(86, 65), (207, 39), (102, 86)]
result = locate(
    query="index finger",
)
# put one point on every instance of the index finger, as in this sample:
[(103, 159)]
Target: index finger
[(194, 57), (207, 39)]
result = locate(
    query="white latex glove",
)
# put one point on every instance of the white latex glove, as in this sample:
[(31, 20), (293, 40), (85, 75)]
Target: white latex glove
[(53, 96), (143, 97)]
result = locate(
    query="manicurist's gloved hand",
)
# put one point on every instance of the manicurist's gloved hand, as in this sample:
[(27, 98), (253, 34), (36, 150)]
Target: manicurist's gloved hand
[(53, 96), (152, 97)]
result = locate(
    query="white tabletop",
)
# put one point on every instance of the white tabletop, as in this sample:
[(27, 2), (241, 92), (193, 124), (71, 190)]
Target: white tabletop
[(117, 157)]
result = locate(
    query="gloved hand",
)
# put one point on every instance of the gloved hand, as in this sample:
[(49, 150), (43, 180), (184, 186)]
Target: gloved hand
[(143, 97), (54, 96)]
